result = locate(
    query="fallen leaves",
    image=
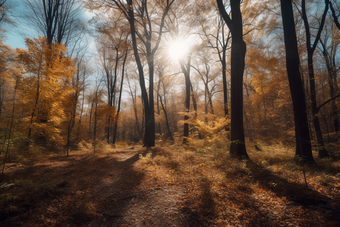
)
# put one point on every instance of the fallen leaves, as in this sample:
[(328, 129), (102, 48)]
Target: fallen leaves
[(238, 199)]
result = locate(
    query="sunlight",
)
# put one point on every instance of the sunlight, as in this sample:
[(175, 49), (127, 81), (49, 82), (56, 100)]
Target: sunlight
[(178, 49)]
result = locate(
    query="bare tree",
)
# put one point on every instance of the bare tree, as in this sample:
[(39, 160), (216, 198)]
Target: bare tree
[(142, 26), (58, 20)]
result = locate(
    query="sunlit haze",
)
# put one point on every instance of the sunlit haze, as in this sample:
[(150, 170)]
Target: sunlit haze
[(178, 49)]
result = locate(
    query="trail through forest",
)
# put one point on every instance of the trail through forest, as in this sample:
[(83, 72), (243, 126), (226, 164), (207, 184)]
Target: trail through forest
[(169, 186)]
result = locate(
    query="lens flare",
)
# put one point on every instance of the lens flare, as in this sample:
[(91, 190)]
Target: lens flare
[(178, 50)]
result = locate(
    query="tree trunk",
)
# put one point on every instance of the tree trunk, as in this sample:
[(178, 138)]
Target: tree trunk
[(119, 100), (332, 83), (310, 50), (90, 121), (224, 76), (316, 122), (303, 145), (238, 52), (80, 117), (149, 136), (186, 72), (95, 125), (35, 103), (166, 118), (10, 129)]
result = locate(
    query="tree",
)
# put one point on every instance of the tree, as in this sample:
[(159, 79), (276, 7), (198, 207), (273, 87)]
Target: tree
[(335, 16), (47, 87), (137, 12), (330, 41), (6, 53), (185, 66), (133, 87), (221, 40), (310, 51), (58, 20), (207, 76), (77, 85), (17, 79), (113, 41), (4, 14), (97, 98), (237, 61), (162, 98), (120, 97), (6, 57), (303, 145)]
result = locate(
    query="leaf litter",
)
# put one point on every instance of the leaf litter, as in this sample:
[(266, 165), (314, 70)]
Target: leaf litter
[(169, 186)]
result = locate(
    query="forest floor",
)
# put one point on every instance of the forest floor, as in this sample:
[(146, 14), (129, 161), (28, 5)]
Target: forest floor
[(172, 186)]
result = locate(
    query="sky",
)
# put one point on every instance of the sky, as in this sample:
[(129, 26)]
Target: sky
[(14, 39), (14, 32), (18, 32)]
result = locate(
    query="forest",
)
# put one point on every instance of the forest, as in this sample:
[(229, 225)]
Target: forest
[(169, 113)]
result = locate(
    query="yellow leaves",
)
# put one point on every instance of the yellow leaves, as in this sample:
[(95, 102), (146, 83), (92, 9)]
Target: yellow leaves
[(47, 83), (47, 61)]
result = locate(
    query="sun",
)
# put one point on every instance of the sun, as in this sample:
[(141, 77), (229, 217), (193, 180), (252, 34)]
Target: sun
[(178, 49)]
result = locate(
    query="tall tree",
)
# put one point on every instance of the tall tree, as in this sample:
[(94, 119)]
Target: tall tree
[(133, 87), (208, 77), (58, 20), (162, 98), (329, 48), (185, 66), (120, 97), (114, 43), (310, 52), (238, 52), (137, 13), (77, 85), (220, 42), (303, 145)]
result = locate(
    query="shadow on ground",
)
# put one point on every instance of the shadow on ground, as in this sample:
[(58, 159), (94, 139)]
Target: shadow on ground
[(253, 213), (69, 191)]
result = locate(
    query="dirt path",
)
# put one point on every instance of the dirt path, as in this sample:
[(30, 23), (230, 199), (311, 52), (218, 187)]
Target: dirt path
[(95, 190)]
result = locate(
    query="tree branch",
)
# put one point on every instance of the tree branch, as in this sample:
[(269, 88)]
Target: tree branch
[(224, 14), (317, 110), (335, 18), (161, 26)]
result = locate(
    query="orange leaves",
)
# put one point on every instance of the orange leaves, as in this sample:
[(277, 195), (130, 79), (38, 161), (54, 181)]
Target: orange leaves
[(144, 220), (105, 110)]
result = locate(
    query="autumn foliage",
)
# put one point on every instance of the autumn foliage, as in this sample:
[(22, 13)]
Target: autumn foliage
[(46, 90), (225, 111)]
